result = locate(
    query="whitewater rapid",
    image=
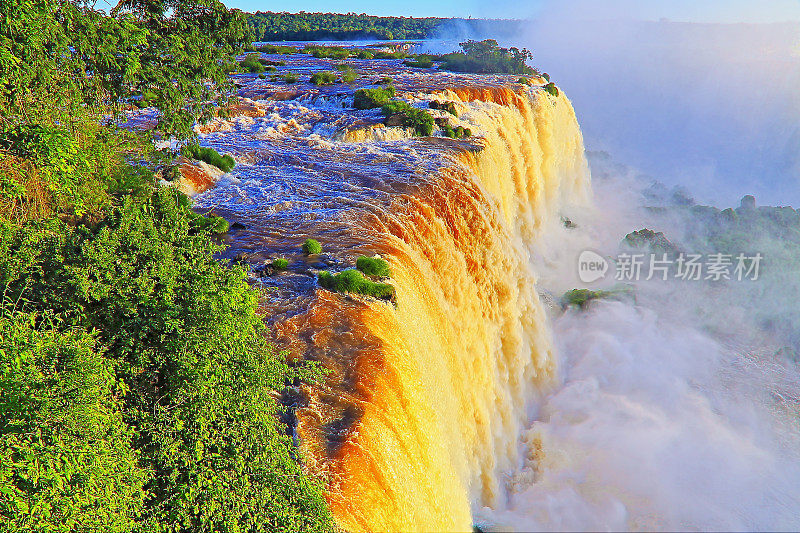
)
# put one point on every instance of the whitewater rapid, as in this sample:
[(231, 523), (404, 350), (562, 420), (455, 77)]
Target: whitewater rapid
[(477, 399)]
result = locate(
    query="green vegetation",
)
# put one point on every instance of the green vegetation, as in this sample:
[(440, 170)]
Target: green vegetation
[(290, 77), (372, 98), (323, 78), (386, 80), (421, 61), (390, 55), (280, 264), (459, 132), (329, 52), (551, 89), (581, 297), (373, 266), (450, 107), (649, 239), (273, 49), (524, 81), (251, 64), (486, 57), (403, 114), (343, 67), (360, 53), (321, 26), (352, 280), (223, 162), (311, 247), (348, 76), (137, 386)]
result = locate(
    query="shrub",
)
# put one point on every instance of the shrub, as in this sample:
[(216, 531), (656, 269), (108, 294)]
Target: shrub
[(251, 64), (210, 223), (373, 266), (386, 80), (420, 120), (209, 155), (450, 107), (311, 247), (323, 78), (342, 67), (280, 264), (422, 61), (524, 81), (546, 76), (390, 55), (486, 57), (352, 280), (361, 54), (372, 98), (290, 77), (349, 76), (195, 377), (581, 297), (274, 49), (329, 52), (458, 132), (67, 458), (551, 89)]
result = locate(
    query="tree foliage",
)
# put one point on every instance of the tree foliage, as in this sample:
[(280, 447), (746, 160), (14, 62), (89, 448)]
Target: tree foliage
[(137, 387)]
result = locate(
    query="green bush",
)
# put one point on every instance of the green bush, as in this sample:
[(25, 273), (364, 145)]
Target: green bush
[(290, 77), (551, 89), (280, 264), (362, 54), (386, 80), (420, 120), (328, 52), (421, 61), (486, 57), (390, 55), (373, 266), (251, 64), (210, 223), (274, 49), (546, 76), (349, 76), (67, 459), (196, 378), (458, 132), (372, 98), (311, 247), (323, 78), (449, 107), (209, 155), (352, 280), (524, 81)]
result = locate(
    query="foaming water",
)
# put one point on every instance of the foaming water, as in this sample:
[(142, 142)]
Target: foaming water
[(675, 410), (417, 421)]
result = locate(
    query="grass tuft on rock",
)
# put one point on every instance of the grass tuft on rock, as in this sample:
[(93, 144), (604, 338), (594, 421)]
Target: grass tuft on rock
[(373, 266), (351, 280), (311, 247)]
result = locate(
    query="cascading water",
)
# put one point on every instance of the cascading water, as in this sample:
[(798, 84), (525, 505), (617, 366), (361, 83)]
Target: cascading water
[(418, 421), (476, 399)]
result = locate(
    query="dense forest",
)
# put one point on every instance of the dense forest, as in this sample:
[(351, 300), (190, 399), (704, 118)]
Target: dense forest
[(137, 387), (269, 26)]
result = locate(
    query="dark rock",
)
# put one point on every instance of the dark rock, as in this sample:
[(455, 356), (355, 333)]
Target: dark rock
[(238, 225), (647, 238), (398, 119)]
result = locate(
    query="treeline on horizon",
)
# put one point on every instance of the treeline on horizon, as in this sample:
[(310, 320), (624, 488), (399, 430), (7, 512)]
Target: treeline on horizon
[(302, 26)]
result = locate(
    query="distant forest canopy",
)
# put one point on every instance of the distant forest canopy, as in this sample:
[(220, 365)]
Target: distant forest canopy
[(270, 26)]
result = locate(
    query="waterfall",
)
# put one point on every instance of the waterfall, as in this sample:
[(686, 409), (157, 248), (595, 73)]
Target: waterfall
[(445, 381)]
